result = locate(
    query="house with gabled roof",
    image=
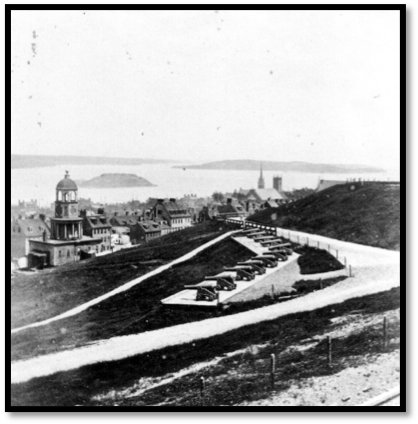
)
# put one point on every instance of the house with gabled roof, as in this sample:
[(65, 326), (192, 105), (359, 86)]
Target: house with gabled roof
[(23, 230), (97, 225), (172, 213), (144, 231)]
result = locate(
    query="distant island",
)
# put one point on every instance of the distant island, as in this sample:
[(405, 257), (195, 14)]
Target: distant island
[(254, 165), (115, 181), (41, 161)]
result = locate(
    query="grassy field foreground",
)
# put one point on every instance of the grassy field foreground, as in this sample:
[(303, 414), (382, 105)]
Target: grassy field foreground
[(235, 364)]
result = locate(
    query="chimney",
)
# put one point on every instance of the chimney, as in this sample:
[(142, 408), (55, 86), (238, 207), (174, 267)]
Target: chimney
[(44, 235), (160, 200), (173, 200), (116, 214), (229, 200), (42, 217), (127, 213), (101, 211)]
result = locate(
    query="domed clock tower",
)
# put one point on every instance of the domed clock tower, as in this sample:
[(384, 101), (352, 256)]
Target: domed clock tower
[(66, 225)]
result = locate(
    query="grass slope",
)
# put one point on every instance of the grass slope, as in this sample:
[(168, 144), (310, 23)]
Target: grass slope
[(233, 380), (134, 311), (368, 215), (54, 291), (315, 261)]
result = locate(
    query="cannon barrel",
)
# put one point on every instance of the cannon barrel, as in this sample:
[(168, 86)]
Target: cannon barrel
[(219, 277), (207, 285), (252, 235), (264, 237), (239, 267), (251, 261), (280, 245)]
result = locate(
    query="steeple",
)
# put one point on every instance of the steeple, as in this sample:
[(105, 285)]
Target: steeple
[(261, 179)]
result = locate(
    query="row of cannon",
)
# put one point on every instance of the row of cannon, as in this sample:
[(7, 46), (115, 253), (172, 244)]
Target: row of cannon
[(245, 270)]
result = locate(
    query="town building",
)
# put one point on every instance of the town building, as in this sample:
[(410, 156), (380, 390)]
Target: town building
[(261, 197), (97, 225), (67, 242), (23, 230), (144, 231), (126, 219), (172, 214)]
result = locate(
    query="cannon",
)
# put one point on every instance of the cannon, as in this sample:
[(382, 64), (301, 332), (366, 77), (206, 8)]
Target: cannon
[(258, 233), (251, 230), (206, 291), (258, 266), (269, 261), (281, 249), (224, 281), (278, 244), (273, 240), (279, 255), (244, 272), (262, 238)]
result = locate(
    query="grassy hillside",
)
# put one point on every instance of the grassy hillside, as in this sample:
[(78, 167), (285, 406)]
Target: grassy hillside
[(134, 311), (369, 214), (231, 379), (54, 291)]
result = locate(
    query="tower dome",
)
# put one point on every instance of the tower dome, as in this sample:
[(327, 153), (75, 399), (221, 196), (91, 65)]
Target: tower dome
[(67, 183)]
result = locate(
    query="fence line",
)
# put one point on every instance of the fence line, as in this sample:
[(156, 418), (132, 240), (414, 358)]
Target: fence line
[(270, 369)]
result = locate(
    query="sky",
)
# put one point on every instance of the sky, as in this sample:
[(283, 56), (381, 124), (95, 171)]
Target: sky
[(314, 86)]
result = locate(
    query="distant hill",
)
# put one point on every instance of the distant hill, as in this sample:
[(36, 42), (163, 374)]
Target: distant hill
[(254, 165), (369, 214), (35, 161), (115, 181)]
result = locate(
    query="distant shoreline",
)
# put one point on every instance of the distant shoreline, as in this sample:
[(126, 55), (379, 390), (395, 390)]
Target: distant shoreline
[(251, 165), (41, 161)]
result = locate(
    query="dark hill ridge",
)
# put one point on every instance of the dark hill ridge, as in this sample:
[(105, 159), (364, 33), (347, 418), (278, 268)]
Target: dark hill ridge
[(254, 165), (116, 181), (369, 214)]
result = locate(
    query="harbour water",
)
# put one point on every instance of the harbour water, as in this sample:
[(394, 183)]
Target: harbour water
[(40, 183)]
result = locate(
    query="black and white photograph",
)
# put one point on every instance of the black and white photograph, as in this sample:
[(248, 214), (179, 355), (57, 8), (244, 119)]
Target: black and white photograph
[(206, 208)]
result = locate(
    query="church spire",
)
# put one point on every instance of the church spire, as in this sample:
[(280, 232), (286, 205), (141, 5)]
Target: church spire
[(261, 179)]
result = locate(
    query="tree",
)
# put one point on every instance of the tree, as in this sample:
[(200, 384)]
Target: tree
[(217, 196)]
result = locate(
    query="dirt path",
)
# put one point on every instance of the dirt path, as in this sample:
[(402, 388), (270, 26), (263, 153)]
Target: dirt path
[(376, 270), (124, 287)]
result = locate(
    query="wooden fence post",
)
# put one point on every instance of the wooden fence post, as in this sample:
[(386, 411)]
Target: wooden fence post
[(320, 284), (336, 253), (272, 292), (350, 271), (385, 333), (345, 262), (202, 390), (329, 345), (317, 244), (272, 370)]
